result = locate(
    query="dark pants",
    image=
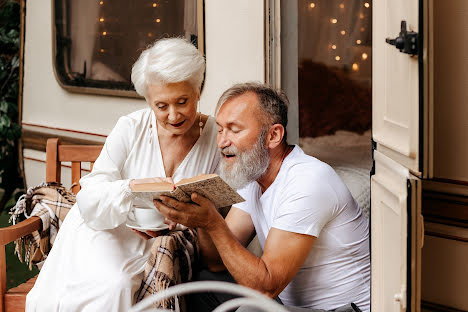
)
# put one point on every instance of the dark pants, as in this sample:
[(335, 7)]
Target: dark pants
[(207, 302)]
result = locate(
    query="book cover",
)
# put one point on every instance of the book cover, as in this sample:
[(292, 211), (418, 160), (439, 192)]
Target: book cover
[(210, 186)]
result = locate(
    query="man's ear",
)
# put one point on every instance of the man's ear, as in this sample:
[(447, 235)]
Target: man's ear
[(275, 136)]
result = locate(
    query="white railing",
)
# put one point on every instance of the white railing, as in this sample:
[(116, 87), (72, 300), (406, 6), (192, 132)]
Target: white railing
[(249, 297)]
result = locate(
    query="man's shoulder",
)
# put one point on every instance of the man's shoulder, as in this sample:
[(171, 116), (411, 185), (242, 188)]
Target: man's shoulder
[(301, 165)]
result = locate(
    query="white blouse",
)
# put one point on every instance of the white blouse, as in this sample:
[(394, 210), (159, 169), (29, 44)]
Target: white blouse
[(97, 262)]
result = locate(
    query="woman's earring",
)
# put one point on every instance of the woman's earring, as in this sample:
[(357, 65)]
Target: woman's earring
[(200, 123), (150, 133)]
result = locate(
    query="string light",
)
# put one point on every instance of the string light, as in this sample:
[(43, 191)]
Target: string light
[(343, 32), (333, 20), (155, 5), (342, 6), (102, 50), (312, 5), (337, 58), (366, 4), (150, 35), (101, 19), (361, 16), (104, 33), (158, 20), (364, 56), (362, 29), (333, 47), (101, 3), (358, 41), (355, 67)]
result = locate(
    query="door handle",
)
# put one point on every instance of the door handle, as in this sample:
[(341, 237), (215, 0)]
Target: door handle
[(406, 42)]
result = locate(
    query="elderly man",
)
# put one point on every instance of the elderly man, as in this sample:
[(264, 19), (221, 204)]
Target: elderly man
[(314, 237)]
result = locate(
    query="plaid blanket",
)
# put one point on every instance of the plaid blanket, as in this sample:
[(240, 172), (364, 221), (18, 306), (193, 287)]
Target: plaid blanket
[(170, 263), (49, 201)]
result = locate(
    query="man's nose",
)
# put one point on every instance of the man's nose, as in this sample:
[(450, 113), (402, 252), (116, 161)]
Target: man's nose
[(223, 140)]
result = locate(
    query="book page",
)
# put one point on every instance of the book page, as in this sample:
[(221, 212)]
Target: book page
[(147, 197), (215, 189)]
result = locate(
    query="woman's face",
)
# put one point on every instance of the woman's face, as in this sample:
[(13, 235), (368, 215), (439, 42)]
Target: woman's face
[(174, 105)]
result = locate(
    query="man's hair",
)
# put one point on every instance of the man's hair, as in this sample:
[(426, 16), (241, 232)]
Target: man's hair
[(169, 60), (273, 103)]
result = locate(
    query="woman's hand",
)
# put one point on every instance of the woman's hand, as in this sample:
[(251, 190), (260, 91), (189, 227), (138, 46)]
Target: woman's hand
[(152, 234)]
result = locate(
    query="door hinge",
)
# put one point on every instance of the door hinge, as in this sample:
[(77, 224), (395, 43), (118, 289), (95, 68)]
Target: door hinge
[(406, 42)]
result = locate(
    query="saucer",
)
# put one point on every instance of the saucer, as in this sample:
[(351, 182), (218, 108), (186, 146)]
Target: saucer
[(138, 227)]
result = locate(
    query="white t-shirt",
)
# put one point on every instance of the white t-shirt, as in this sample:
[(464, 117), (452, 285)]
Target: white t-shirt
[(308, 197)]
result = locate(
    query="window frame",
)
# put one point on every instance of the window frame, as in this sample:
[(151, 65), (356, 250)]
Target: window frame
[(111, 90)]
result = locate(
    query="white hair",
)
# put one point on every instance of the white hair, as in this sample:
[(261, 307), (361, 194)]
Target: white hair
[(168, 60)]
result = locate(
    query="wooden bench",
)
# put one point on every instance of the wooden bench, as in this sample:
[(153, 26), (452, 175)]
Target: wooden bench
[(15, 298)]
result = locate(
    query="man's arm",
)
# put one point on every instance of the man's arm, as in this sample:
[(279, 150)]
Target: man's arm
[(241, 226), (283, 255)]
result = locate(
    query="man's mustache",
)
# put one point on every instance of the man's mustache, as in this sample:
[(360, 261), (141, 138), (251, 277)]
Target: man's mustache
[(230, 150)]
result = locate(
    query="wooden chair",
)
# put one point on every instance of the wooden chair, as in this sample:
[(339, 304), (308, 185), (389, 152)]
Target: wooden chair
[(15, 298)]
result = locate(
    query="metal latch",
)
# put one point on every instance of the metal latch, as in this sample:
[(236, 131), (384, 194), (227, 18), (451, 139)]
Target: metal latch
[(406, 42)]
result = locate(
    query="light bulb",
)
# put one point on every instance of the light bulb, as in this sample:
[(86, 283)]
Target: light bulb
[(342, 6), (158, 20), (364, 56), (150, 34), (361, 16), (337, 58), (101, 3), (343, 32), (355, 67), (362, 29), (101, 19), (155, 5), (102, 50), (104, 33), (358, 41), (366, 4), (333, 47), (312, 5), (333, 20)]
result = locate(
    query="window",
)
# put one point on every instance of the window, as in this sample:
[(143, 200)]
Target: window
[(335, 66), (97, 41)]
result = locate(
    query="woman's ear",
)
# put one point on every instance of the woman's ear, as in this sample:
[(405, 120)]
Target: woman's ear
[(275, 136)]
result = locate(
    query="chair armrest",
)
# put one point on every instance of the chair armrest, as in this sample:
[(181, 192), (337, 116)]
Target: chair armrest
[(13, 232)]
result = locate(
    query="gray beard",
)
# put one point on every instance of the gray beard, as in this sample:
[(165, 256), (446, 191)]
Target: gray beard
[(249, 166)]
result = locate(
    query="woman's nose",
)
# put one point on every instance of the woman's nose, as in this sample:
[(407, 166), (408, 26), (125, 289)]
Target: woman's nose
[(172, 117)]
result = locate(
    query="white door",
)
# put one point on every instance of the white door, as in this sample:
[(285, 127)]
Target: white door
[(396, 221), (395, 87), (396, 237)]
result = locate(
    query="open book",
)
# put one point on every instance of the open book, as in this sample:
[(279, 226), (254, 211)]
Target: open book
[(210, 186)]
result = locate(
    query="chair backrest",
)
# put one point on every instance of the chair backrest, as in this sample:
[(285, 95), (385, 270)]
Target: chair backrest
[(76, 154)]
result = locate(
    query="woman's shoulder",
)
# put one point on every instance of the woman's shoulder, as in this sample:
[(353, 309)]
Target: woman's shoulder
[(135, 120)]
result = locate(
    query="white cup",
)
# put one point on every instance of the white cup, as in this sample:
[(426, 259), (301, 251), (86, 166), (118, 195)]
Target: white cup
[(146, 217)]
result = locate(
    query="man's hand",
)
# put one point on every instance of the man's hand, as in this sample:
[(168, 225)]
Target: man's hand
[(201, 213)]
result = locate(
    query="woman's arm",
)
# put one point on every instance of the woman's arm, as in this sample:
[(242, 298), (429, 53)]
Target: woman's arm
[(105, 198)]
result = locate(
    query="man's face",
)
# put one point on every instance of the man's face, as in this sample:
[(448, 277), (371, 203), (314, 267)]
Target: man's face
[(241, 141)]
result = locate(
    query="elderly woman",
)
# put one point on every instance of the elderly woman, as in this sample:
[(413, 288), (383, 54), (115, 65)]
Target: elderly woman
[(97, 261)]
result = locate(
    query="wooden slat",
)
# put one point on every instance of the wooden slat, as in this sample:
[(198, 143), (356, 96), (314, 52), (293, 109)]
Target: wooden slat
[(2, 278), (13, 232), (79, 152), (52, 165), (76, 175), (91, 165), (15, 298)]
